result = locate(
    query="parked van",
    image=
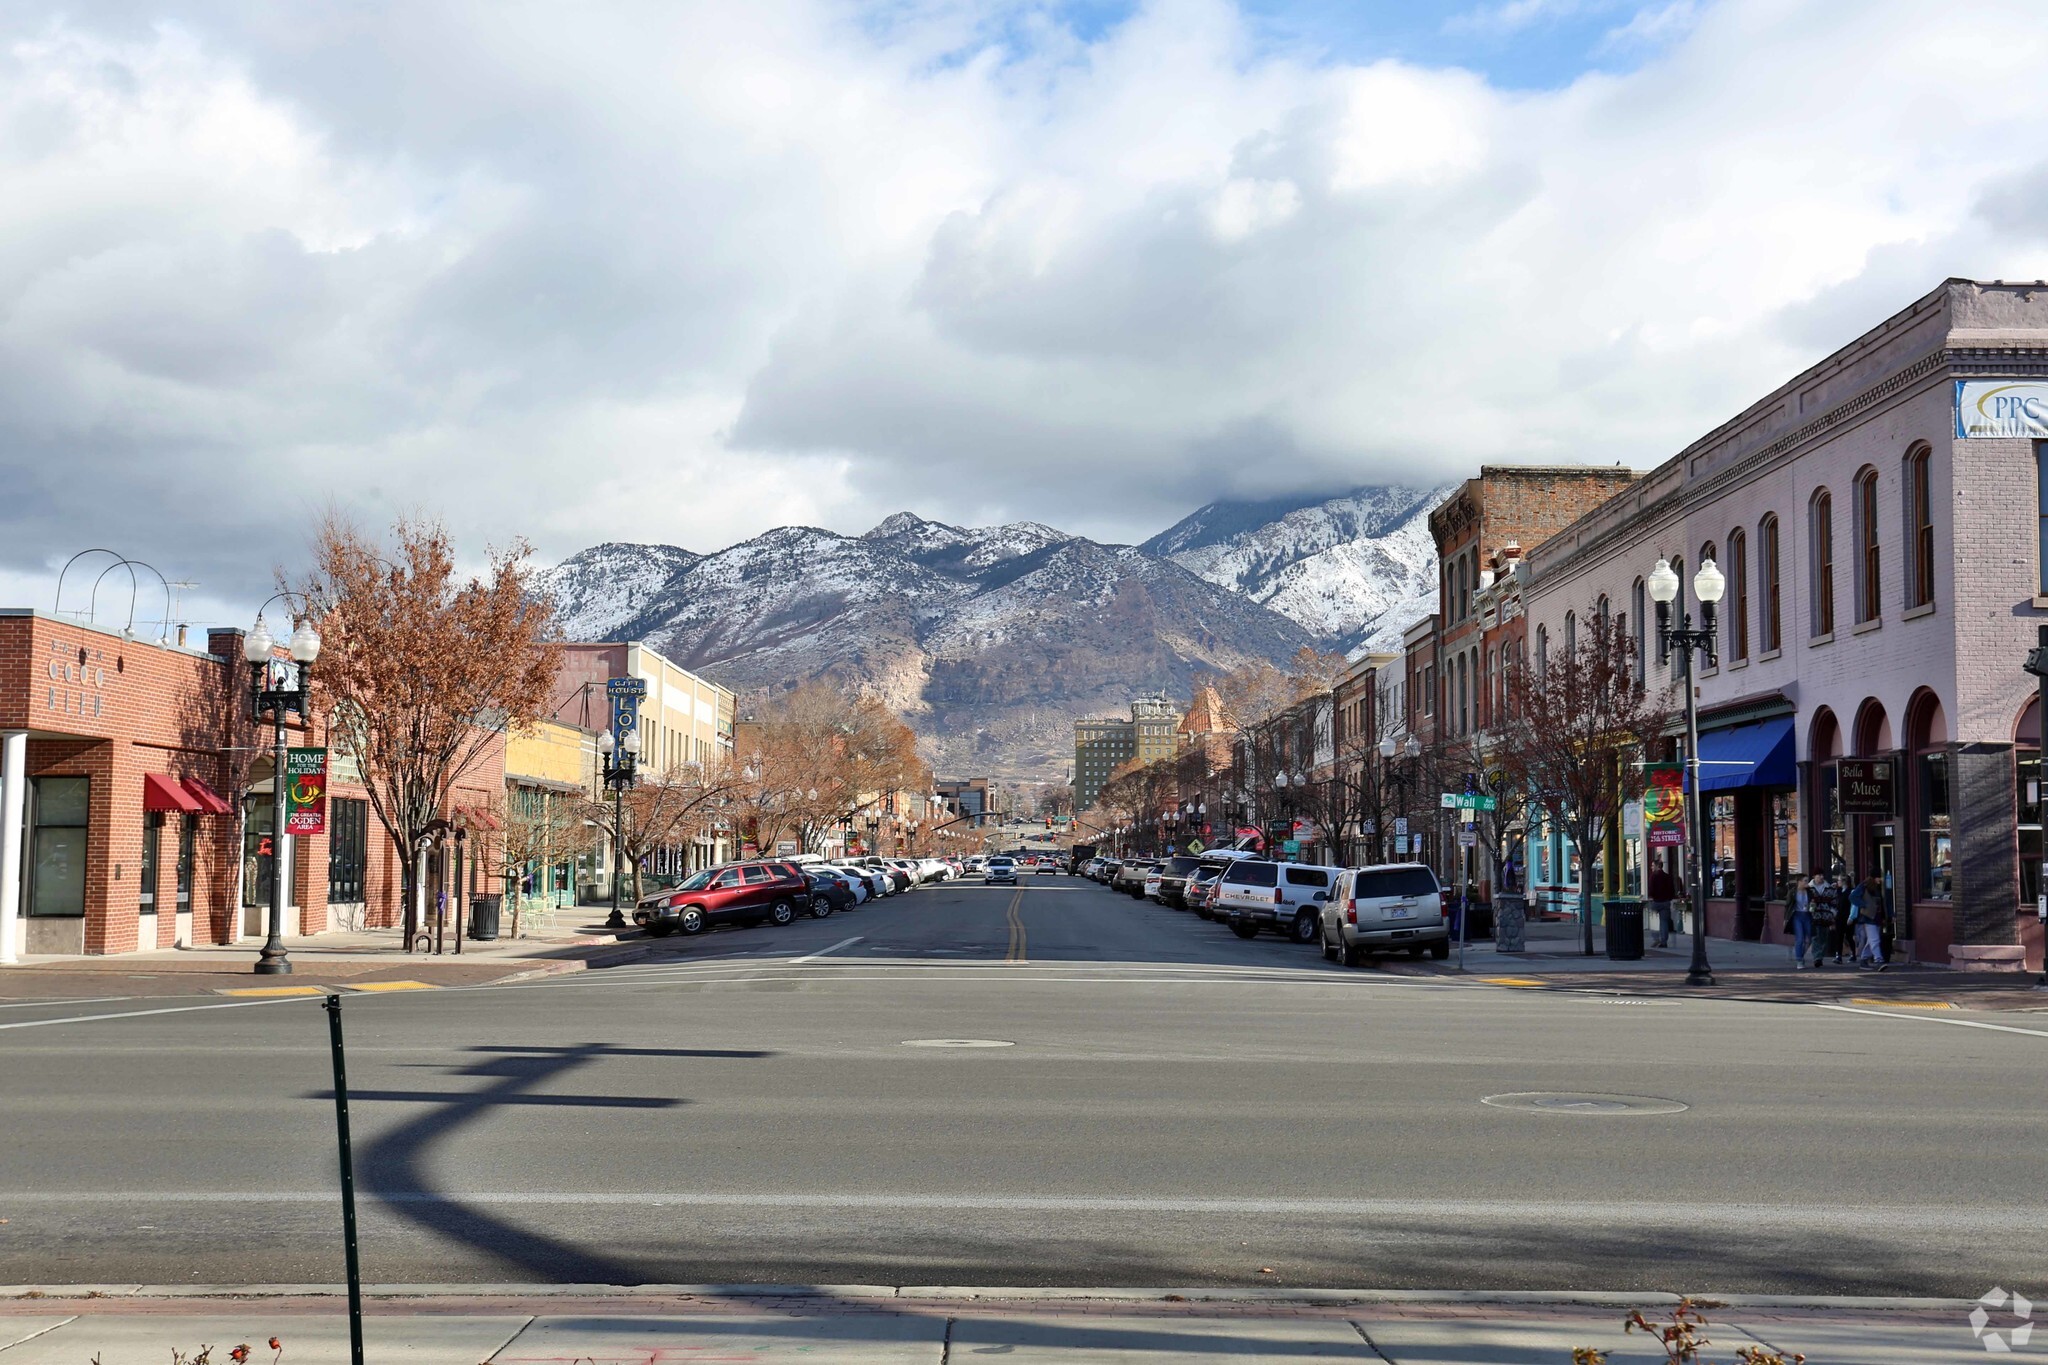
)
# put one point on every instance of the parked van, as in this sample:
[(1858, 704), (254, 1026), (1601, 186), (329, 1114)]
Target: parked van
[(1287, 898), (1384, 908)]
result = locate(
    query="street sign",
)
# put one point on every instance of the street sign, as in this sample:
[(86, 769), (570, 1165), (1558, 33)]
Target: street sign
[(1290, 846), (1400, 826), (1195, 846), (785, 848), (1469, 801), (1468, 838)]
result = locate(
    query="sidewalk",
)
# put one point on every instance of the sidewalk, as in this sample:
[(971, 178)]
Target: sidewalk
[(1555, 959), (878, 1325), (570, 941)]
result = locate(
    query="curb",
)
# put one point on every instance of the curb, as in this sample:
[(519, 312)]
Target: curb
[(1605, 1299)]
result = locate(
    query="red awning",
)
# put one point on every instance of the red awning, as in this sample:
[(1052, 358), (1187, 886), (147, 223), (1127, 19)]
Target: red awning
[(163, 793), (210, 801), (476, 817)]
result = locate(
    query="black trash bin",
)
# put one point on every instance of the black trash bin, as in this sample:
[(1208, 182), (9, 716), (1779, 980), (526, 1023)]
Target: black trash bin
[(483, 918), (1624, 930)]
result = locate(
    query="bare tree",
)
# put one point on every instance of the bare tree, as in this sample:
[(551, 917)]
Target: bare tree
[(547, 828), (1576, 721), (663, 809), (424, 670)]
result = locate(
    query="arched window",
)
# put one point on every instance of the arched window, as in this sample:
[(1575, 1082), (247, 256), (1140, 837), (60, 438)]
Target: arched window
[(1927, 737), (1571, 635), (1868, 602), (1820, 517), (1542, 651), (1735, 608), (1638, 603), (1919, 528), (1770, 637)]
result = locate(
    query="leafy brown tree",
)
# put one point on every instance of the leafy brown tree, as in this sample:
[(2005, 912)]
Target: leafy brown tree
[(422, 670), (1576, 721), (546, 828)]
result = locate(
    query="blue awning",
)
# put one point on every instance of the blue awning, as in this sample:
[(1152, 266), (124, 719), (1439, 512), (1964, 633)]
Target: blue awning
[(1756, 755)]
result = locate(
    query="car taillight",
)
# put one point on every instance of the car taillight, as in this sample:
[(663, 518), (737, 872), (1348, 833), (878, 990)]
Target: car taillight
[(1279, 896), (1351, 912)]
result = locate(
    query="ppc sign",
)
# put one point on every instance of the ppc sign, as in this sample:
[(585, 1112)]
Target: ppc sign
[(2001, 408), (305, 791)]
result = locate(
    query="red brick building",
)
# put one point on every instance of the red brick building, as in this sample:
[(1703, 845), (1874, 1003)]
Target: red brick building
[(135, 801)]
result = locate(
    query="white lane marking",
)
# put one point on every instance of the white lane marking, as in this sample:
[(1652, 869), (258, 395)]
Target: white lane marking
[(826, 952), (84, 1000), (1938, 1019), (1529, 1212), (176, 1009)]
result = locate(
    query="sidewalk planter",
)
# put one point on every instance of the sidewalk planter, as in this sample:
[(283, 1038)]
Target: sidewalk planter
[(1624, 920), (483, 917), (1511, 916)]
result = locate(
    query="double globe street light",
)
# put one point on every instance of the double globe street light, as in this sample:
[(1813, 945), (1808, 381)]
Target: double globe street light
[(1707, 587), (279, 686), (1411, 749), (621, 763)]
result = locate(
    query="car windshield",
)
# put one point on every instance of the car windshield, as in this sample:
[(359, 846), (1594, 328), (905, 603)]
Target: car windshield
[(1247, 872), (696, 881), (1181, 866)]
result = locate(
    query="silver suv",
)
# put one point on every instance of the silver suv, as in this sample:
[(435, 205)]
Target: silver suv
[(1382, 909), (1287, 898)]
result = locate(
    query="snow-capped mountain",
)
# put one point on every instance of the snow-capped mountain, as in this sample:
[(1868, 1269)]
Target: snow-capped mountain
[(1356, 569), (993, 639)]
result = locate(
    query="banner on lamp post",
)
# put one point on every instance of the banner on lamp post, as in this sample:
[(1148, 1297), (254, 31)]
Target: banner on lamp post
[(305, 791), (1664, 805)]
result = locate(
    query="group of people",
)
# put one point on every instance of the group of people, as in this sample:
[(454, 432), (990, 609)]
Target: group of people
[(1829, 914)]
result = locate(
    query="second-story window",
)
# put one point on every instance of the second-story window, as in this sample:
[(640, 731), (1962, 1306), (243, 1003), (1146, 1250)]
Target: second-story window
[(1821, 521), (1920, 528), (1767, 617), (1735, 611), (1869, 605)]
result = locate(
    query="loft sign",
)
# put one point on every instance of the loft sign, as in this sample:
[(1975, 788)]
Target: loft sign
[(78, 680)]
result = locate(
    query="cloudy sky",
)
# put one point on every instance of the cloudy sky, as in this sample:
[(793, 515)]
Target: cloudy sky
[(682, 272)]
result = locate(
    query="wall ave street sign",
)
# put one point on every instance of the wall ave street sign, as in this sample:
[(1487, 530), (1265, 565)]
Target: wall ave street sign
[(1866, 786), (1469, 801)]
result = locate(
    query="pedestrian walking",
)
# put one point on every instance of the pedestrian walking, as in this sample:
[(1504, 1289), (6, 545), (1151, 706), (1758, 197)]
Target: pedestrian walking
[(1825, 907), (1833, 912), (1866, 916), (1663, 890), (1799, 920)]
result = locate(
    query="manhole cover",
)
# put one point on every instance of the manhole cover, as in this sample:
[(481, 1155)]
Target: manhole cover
[(1575, 1102), (956, 1042)]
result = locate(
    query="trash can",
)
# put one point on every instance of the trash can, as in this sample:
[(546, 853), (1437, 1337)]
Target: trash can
[(1624, 920), (483, 919)]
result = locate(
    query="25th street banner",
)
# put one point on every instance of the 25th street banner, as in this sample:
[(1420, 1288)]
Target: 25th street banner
[(1664, 805), (305, 791)]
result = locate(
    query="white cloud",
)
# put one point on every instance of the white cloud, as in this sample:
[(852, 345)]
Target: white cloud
[(684, 272)]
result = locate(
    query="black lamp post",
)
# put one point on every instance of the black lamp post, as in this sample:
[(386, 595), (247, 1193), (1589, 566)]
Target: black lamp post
[(1402, 778), (278, 686), (621, 767), (1707, 585)]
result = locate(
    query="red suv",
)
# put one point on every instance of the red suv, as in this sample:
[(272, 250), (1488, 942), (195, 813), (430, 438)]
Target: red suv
[(747, 892)]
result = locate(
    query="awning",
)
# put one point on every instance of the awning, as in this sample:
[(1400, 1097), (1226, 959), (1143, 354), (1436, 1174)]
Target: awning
[(163, 793), (210, 801), (1756, 755)]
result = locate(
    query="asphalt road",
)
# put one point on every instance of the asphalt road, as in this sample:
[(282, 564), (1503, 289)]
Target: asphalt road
[(1169, 1106)]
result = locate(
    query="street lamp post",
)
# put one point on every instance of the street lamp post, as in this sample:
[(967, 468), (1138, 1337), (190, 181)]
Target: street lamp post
[(1707, 586), (621, 763), (1400, 779), (277, 687)]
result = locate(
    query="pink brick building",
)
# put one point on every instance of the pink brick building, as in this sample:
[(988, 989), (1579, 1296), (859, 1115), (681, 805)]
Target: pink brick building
[(1880, 519)]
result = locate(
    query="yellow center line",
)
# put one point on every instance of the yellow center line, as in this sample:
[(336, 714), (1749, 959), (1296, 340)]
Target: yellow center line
[(1016, 922), (264, 991), (1510, 981), (1903, 1004)]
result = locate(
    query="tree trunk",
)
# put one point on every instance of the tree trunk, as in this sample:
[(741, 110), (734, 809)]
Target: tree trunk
[(1585, 895)]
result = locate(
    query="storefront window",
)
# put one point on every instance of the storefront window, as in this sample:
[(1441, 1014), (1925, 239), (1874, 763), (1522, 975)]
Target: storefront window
[(58, 845), (256, 851), (152, 844), (188, 837), (1834, 834), (1721, 876), (1785, 860), (1932, 791), (2030, 827)]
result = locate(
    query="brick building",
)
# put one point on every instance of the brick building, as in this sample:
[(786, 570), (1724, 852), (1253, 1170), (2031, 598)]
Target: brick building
[(135, 802), (1880, 522)]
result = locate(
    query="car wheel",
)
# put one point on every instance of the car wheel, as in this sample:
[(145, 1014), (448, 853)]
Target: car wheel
[(782, 912), (1440, 949), (690, 919), (1306, 926), (1352, 955), (1416, 951), (1245, 930), (820, 907), (660, 930), (1331, 951)]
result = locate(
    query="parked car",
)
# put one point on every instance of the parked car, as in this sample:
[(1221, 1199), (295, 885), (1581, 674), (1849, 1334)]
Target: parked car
[(892, 869), (1199, 895), (1130, 877), (1384, 908), (744, 892), (829, 891), (1000, 870), (1173, 880), (1287, 898)]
